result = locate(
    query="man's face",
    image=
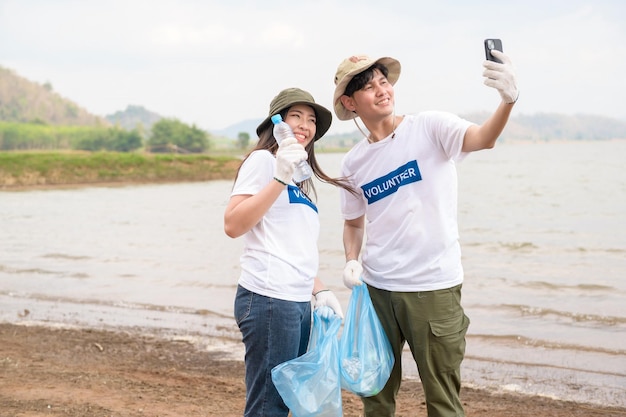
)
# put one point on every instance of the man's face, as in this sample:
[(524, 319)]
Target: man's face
[(374, 100)]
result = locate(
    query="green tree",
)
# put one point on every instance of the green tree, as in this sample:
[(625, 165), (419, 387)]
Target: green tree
[(124, 141), (171, 135), (243, 140), (113, 139)]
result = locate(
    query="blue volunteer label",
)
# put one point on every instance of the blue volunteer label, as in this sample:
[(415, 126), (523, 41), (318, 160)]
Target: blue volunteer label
[(297, 196), (390, 183)]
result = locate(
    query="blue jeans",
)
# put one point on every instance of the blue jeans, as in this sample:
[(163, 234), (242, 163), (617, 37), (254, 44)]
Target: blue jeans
[(274, 331)]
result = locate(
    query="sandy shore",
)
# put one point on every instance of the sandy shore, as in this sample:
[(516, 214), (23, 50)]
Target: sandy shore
[(72, 372)]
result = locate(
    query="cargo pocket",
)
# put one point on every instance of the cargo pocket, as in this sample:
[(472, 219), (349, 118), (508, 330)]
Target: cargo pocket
[(448, 342)]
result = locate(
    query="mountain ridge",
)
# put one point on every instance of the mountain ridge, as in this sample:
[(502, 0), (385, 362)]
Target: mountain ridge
[(25, 101)]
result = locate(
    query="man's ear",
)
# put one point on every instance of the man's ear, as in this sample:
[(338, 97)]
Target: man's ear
[(348, 102)]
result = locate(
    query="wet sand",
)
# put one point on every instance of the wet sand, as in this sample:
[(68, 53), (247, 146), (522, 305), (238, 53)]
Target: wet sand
[(73, 372)]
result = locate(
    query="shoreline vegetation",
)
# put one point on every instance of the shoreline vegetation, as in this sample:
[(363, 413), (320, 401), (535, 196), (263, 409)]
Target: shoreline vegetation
[(41, 169)]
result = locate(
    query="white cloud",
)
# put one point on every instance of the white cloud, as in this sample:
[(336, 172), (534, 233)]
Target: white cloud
[(215, 63)]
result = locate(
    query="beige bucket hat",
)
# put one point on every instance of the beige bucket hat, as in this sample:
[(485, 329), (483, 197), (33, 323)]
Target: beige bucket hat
[(352, 66)]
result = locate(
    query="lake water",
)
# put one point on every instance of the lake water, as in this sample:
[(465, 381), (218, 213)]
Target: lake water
[(543, 232)]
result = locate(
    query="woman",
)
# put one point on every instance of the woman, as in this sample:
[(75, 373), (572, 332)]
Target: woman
[(280, 225)]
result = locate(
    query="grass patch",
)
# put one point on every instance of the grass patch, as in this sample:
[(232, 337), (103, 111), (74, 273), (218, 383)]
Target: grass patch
[(20, 169)]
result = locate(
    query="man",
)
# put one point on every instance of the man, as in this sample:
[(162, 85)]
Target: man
[(405, 170)]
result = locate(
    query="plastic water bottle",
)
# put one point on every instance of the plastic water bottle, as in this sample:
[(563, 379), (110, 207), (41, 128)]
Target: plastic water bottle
[(283, 131)]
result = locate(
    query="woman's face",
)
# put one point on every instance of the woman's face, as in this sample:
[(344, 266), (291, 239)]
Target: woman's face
[(301, 118)]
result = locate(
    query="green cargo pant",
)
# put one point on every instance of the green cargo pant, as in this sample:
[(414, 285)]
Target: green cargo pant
[(434, 325)]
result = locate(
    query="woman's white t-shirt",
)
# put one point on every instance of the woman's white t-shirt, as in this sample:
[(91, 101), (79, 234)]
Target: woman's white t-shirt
[(280, 257), (408, 187)]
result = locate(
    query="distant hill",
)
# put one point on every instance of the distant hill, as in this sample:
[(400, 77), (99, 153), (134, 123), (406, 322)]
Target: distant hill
[(553, 126), (535, 127), (25, 101), (248, 126), (134, 117)]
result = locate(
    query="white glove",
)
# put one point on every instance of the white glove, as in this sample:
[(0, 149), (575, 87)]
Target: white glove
[(289, 153), (352, 274), (501, 77), (328, 299)]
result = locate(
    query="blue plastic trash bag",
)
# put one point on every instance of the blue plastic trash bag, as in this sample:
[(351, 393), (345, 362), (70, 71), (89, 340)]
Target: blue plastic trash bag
[(365, 355), (309, 384)]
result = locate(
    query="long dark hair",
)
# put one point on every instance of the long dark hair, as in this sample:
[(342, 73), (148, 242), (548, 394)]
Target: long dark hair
[(268, 142)]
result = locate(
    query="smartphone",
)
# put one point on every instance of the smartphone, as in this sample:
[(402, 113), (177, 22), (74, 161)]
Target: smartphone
[(492, 44)]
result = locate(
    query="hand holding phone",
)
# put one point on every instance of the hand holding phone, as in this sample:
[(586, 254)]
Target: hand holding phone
[(500, 77), (492, 44)]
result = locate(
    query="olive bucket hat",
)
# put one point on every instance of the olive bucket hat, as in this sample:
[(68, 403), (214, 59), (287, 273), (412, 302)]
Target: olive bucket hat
[(352, 66), (292, 96)]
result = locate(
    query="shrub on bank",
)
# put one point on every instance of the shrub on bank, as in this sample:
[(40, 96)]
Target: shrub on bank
[(18, 169)]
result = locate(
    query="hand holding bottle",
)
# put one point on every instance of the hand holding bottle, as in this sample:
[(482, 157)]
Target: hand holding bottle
[(282, 131), (289, 153)]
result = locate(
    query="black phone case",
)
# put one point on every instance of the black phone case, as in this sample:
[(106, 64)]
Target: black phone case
[(492, 44)]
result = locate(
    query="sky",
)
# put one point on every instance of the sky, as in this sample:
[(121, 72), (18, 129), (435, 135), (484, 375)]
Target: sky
[(216, 63)]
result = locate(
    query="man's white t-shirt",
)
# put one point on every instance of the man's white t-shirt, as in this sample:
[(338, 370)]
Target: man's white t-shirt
[(408, 193), (280, 257)]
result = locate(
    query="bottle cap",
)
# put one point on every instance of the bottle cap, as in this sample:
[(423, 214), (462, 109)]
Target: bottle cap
[(277, 118)]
